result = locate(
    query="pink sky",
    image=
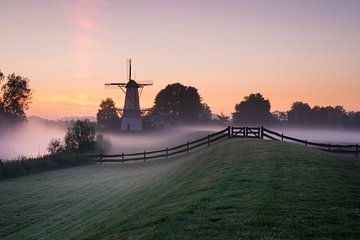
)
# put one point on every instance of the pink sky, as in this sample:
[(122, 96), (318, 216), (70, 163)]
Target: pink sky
[(288, 50)]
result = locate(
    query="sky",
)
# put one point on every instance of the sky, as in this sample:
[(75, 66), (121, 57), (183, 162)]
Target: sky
[(303, 50)]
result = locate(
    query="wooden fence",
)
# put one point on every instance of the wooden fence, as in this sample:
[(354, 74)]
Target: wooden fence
[(335, 148), (167, 152), (227, 133)]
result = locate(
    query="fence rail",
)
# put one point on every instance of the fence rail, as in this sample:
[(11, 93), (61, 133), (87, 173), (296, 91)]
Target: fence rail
[(335, 148), (227, 133), (167, 152)]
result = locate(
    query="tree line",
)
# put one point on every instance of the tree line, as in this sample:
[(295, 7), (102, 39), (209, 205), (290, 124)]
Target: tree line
[(255, 109), (302, 114), (180, 104), (177, 103)]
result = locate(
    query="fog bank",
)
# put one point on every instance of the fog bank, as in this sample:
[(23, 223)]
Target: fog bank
[(28, 139), (31, 139), (338, 136)]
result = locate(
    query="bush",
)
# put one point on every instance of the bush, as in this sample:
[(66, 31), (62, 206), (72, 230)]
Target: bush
[(55, 146), (80, 137)]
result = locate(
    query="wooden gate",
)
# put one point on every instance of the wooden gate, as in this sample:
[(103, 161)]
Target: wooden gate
[(246, 132)]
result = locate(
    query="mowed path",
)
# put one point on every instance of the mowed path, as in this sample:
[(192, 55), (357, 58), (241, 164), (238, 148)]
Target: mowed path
[(248, 189)]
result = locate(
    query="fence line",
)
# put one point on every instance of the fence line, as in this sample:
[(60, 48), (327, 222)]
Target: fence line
[(167, 152), (335, 148), (227, 133), (264, 133)]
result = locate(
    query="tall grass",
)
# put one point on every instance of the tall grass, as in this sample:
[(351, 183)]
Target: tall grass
[(23, 166)]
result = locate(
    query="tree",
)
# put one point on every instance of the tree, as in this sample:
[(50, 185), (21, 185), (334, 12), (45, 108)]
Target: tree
[(107, 115), (354, 119), (280, 116), (205, 114), (2, 110), (300, 113), (80, 137), (15, 96), (183, 103), (331, 116), (222, 119), (55, 146), (254, 109)]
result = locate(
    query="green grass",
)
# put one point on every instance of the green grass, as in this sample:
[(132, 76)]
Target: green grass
[(236, 189)]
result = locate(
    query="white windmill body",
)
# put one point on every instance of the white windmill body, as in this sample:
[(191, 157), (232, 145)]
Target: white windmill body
[(131, 113), (131, 118)]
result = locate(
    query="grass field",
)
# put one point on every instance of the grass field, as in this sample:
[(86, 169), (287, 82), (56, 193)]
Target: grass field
[(236, 189)]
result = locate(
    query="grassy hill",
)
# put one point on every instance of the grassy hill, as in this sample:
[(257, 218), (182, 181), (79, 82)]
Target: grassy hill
[(236, 189)]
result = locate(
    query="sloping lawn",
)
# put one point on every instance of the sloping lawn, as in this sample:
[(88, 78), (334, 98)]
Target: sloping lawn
[(236, 189)]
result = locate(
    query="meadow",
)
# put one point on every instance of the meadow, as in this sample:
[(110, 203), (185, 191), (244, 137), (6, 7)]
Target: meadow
[(235, 189)]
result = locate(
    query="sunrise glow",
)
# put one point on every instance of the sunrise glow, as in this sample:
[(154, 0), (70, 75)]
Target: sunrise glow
[(287, 50)]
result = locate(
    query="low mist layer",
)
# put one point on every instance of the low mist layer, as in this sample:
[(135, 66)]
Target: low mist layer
[(31, 139), (339, 136), (127, 142)]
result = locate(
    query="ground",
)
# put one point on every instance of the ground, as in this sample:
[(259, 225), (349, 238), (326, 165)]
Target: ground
[(235, 189)]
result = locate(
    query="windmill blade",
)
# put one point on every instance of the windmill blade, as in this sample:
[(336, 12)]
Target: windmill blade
[(145, 83), (111, 86), (116, 84)]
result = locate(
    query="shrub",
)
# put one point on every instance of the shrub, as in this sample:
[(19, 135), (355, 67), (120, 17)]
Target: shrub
[(80, 137), (55, 146)]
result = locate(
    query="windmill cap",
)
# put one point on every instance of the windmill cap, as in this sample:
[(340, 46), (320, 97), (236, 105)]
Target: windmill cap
[(132, 84)]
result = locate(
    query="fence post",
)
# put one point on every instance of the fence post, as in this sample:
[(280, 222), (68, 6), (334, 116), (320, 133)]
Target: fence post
[(229, 132), (246, 132), (306, 143), (282, 137), (261, 132), (101, 157), (187, 147), (122, 158), (208, 140), (167, 152), (357, 150), (144, 156), (329, 147)]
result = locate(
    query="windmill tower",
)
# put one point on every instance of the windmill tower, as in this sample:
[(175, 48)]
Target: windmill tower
[(131, 117)]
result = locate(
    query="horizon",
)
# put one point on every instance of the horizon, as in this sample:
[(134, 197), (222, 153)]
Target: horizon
[(287, 50)]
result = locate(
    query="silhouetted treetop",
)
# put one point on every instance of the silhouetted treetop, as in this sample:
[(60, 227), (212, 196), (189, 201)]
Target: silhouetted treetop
[(182, 102), (254, 109), (302, 114), (15, 96), (107, 115), (80, 137)]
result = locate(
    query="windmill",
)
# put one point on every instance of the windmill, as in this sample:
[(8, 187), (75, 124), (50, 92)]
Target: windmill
[(131, 117)]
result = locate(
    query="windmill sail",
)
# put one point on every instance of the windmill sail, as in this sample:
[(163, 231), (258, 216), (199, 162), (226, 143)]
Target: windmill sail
[(131, 117)]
